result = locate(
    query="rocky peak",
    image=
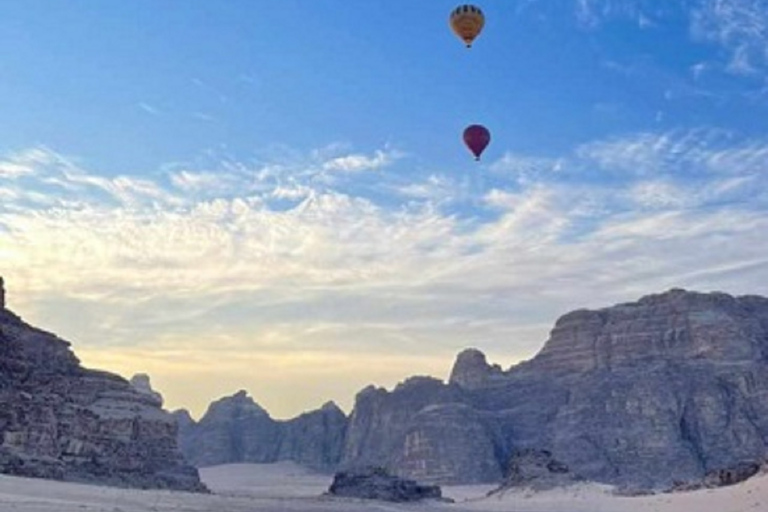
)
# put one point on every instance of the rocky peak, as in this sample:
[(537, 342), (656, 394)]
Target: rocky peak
[(331, 407), (183, 419), (235, 407), (417, 383), (676, 325), (471, 370), (141, 383), (235, 429)]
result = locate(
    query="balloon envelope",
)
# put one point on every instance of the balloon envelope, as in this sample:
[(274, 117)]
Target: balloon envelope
[(477, 137), (466, 22)]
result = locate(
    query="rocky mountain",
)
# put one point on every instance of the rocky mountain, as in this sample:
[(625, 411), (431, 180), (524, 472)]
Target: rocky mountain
[(237, 429), (59, 420), (650, 394), (140, 383)]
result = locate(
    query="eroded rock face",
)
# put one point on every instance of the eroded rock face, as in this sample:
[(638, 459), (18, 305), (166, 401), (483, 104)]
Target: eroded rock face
[(236, 429), (677, 326), (314, 439), (59, 420), (671, 388), (450, 443), (381, 421)]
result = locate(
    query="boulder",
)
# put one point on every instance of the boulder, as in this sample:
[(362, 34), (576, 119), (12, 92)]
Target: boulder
[(537, 469), (378, 484)]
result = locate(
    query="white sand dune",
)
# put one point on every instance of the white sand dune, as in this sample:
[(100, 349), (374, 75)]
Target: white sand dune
[(291, 488)]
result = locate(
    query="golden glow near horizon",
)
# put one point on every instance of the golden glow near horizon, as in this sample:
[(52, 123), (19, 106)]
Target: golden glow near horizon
[(286, 385)]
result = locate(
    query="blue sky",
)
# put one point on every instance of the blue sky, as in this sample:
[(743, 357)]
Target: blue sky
[(274, 195)]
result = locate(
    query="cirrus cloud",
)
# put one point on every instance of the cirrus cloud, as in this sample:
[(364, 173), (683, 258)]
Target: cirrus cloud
[(278, 263)]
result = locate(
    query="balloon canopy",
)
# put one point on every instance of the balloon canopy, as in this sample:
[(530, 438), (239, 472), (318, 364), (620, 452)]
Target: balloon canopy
[(477, 137), (466, 22)]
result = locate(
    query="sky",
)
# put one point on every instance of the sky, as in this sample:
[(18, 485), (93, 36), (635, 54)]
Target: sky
[(274, 195)]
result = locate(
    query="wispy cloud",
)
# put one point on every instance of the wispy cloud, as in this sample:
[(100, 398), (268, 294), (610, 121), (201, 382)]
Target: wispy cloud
[(25, 163), (525, 168), (280, 264), (593, 13), (12, 169), (691, 153), (740, 26), (359, 162), (149, 109)]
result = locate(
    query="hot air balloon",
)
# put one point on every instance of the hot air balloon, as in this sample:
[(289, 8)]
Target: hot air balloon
[(467, 21), (477, 137)]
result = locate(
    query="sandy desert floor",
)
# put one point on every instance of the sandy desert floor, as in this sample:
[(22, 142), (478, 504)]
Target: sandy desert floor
[(291, 488)]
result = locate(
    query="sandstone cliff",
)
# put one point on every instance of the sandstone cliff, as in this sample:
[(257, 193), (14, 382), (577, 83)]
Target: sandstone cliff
[(649, 394), (236, 429), (59, 420)]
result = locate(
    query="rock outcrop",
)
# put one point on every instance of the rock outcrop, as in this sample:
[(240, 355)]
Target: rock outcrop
[(59, 420), (315, 438), (378, 484), (472, 371), (141, 383), (537, 469), (236, 429), (671, 388)]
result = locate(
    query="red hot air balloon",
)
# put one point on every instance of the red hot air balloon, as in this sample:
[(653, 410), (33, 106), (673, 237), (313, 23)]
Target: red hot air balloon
[(477, 137)]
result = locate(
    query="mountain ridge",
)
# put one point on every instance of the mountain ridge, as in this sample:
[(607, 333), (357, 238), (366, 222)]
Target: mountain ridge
[(665, 391)]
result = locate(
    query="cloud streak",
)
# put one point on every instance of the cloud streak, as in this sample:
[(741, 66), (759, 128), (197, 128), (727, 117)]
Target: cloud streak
[(273, 260), (740, 26)]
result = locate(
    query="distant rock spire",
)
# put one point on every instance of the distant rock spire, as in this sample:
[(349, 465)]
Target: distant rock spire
[(471, 370), (141, 383), (2, 293)]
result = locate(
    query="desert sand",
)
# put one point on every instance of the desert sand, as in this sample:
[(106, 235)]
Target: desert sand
[(289, 487)]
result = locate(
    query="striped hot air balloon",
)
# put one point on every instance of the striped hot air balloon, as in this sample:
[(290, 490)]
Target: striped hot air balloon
[(466, 22)]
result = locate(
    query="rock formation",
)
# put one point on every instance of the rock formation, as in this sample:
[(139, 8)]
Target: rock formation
[(141, 383), (377, 484), (472, 371), (59, 420), (536, 469), (315, 438), (236, 429), (2, 294), (671, 388)]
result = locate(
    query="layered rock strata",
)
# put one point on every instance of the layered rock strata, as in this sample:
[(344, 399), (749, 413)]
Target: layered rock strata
[(668, 389), (59, 420)]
